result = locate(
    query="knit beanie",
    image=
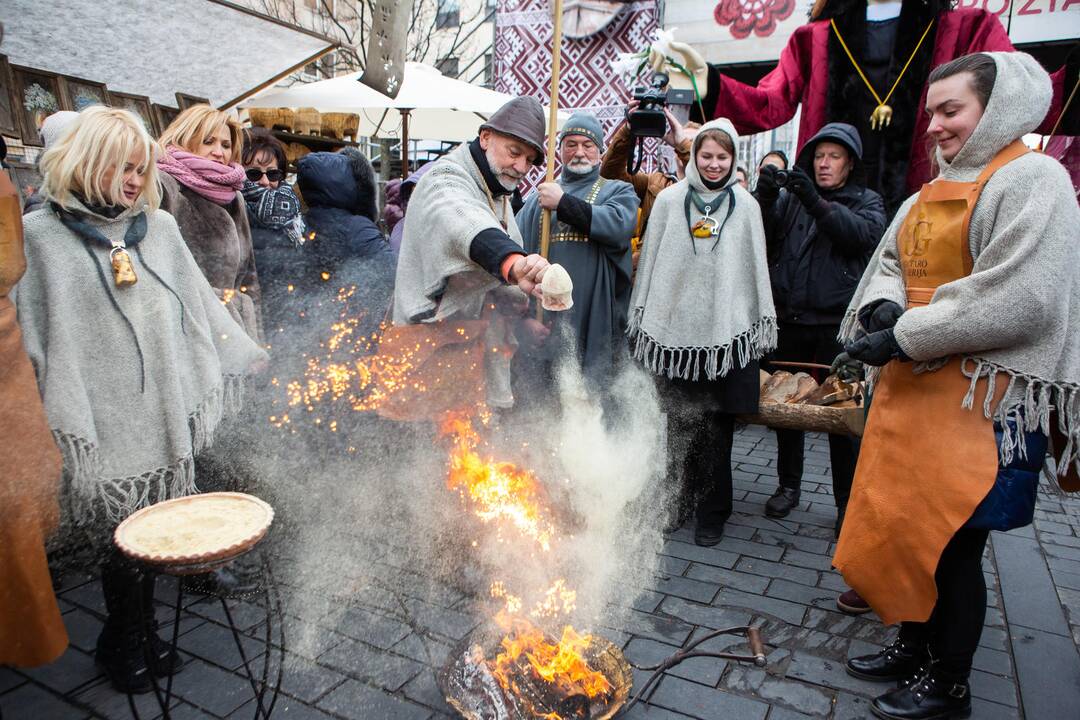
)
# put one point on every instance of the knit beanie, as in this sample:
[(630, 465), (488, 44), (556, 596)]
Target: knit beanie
[(55, 125), (521, 118), (583, 123)]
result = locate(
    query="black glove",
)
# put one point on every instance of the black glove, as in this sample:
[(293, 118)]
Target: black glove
[(847, 368), (767, 188), (876, 348), (880, 315), (802, 186)]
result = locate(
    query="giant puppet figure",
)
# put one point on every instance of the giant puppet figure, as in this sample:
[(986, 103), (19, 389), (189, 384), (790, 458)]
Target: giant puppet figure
[(866, 63)]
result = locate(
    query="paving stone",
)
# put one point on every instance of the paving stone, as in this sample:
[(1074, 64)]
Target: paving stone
[(983, 710), (448, 623), (355, 700), (216, 645), (813, 561), (799, 575), (73, 670), (9, 679), (87, 596), (833, 581), (995, 639), (651, 712), (1066, 565), (285, 709), (307, 681), (796, 696), (30, 702), (211, 688), (706, 556), (426, 650), (662, 629), (686, 588), (377, 630), (1064, 579), (704, 670), (707, 703), (1046, 694), (672, 566), (710, 616), (782, 713), (829, 674), (789, 611), (993, 687), (424, 690), (1027, 588), (762, 523), (793, 541), (364, 662), (83, 629), (245, 615), (851, 707), (184, 711), (728, 578), (993, 661), (106, 702), (795, 592)]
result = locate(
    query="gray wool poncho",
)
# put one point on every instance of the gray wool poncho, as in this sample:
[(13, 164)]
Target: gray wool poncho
[(136, 379), (1016, 317), (695, 315)]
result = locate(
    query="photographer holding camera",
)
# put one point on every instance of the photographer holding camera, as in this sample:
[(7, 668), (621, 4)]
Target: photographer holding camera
[(821, 227), (647, 185)]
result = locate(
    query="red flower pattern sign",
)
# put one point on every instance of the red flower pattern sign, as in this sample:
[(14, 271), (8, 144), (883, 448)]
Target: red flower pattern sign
[(758, 16)]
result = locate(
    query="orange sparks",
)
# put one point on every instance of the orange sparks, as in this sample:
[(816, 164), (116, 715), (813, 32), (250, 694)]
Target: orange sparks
[(496, 491)]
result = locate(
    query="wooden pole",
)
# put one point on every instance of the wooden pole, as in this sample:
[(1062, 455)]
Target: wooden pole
[(553, 127), (405, 144)]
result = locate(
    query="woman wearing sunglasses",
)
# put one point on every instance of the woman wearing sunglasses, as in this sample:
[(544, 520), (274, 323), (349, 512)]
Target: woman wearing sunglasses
[(277, 228), (201, 180)]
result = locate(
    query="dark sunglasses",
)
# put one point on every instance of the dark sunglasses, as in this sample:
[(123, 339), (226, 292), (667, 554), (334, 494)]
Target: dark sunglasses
[(253, 174)]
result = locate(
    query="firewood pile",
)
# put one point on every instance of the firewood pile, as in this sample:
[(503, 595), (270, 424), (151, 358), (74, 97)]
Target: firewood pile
[(795, 401)]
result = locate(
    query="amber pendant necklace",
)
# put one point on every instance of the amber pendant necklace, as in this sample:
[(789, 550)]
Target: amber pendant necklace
[(882, 115)]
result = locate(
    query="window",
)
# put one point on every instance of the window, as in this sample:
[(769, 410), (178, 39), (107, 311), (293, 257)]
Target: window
[(448, 66), (310, 71), (326, 65), (488, 71), (490, 6), (448, 14)]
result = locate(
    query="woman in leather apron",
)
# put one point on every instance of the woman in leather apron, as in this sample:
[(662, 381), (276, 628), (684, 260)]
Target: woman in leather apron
[(965, 309)]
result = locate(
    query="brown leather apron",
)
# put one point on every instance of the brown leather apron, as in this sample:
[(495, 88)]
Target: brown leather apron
[(925, 463)]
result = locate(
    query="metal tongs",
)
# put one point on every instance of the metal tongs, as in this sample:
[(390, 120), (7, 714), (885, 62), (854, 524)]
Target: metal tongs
[(756, 656)]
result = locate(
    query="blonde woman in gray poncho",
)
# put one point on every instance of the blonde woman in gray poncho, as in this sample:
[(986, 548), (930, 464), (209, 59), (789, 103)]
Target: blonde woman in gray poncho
[(971, 305), (701, 316), (136, 358)]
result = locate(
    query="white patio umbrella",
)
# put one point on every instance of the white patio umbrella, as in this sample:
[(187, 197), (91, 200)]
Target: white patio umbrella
[(431, 105)]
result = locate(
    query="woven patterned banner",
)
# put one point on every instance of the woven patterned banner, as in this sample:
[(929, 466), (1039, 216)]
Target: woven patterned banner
[(522, 63)]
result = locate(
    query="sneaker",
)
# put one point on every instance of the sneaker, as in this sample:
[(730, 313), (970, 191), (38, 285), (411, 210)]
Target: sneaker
[(782, 502), (852, 603)]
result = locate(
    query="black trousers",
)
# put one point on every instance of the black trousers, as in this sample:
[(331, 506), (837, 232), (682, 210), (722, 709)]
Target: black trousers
[(813, 344), (956, 624), (702, 446)]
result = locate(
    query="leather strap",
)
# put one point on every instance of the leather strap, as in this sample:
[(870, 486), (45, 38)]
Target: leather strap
[(1005, 156)]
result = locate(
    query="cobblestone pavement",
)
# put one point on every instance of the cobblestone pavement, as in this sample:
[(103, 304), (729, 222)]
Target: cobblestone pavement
[(379, 662)]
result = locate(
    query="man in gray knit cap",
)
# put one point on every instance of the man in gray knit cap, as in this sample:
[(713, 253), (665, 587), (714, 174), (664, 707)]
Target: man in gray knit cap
[(461, 251), (592, 221)]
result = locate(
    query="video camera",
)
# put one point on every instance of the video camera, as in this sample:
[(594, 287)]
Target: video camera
[(648, 119)]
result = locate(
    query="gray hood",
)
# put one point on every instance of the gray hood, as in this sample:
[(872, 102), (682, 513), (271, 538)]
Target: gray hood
[(692, 174), (1017, 105)]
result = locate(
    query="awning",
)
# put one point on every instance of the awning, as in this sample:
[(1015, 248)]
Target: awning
[(206, 48)]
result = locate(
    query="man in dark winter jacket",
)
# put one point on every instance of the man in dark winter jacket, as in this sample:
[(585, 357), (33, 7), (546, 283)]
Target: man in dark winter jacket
[(822, 225)]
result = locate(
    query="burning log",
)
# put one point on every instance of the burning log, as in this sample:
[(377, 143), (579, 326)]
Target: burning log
[(530, 675)]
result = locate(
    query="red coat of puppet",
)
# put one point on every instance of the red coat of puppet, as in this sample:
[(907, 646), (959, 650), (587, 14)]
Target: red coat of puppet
[(814, 70)]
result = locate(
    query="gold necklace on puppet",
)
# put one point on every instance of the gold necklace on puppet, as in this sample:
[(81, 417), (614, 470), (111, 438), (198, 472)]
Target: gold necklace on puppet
[(882, 115)]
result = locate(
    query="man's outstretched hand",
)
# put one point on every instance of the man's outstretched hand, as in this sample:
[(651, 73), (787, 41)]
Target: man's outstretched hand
[(527, 272)]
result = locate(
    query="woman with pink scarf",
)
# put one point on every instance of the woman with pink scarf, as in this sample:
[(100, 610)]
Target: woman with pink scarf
[(201, 181)]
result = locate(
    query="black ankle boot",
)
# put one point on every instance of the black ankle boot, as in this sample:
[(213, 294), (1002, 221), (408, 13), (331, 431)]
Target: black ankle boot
[(932, 697), (119, 647), (893, 662), (782, 502), (164, 661)]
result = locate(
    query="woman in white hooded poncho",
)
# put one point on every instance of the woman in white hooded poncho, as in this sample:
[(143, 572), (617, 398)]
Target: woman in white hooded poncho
[(701, 316), (971, 306), (135, 371)]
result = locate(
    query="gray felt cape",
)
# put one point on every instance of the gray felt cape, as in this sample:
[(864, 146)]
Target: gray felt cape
[(597, 259), (436, 278), (136, 379), (699, 311), (1015, 318)]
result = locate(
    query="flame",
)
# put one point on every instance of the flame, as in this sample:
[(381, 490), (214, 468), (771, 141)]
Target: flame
[(496, 491), (561, 664)]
